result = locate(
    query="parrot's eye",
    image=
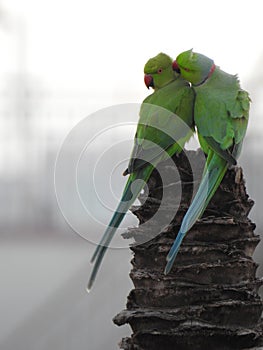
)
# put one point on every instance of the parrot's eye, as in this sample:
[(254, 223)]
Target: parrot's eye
[(159, 71)]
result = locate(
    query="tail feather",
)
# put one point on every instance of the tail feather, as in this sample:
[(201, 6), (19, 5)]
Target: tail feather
[(130, 193), (112, 227), (127, 200), (215, 171)]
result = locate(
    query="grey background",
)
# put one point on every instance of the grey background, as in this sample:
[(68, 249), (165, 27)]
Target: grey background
[(61, 61)]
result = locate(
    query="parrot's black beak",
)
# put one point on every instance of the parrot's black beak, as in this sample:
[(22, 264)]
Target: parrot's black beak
[(148, 80), (176, 67)]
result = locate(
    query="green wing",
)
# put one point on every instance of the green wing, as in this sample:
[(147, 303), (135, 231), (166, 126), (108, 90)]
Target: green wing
[(165, 119), (221, 115)]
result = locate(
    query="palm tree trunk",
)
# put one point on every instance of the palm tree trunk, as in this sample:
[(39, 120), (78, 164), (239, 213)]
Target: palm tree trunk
[(210, 299)]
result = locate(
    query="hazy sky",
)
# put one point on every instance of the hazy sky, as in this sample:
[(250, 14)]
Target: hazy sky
[(103, 45)]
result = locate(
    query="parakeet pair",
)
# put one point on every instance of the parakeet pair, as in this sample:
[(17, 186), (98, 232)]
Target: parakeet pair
[(200, 94)]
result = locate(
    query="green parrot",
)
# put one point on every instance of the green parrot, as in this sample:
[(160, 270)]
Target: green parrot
[(165, 125), (221, 113)]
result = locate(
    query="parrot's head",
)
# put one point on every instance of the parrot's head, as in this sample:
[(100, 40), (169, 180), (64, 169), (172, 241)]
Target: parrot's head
[(194, 67), (159, 71)]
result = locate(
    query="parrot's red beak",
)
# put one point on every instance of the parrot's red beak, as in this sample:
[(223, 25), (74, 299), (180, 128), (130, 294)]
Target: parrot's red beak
[(148, 79), (176, 67)]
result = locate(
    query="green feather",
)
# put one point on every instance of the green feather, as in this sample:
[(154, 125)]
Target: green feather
[(158, 127)]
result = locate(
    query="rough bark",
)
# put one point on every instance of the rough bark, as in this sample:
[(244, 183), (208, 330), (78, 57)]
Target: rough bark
[(210, 299)]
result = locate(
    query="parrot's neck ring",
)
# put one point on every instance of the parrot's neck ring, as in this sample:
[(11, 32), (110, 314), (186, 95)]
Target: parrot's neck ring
[(212, 69)]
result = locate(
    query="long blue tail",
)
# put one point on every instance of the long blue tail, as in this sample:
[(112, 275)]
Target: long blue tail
[(215, 170), (130, 193)]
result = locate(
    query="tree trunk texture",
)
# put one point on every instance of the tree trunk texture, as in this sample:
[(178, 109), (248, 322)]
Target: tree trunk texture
[(210, 298)]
